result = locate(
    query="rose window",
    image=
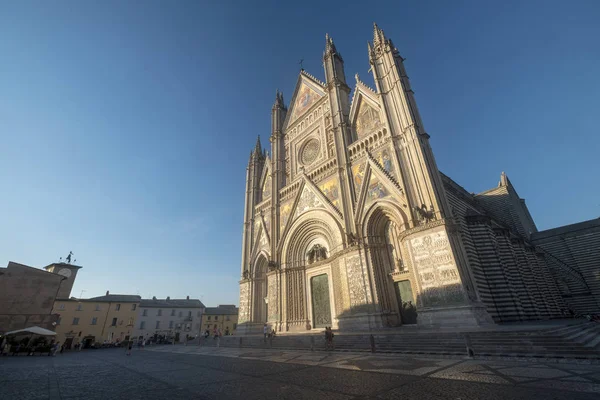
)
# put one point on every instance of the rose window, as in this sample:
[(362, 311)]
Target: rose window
[(310, 151)]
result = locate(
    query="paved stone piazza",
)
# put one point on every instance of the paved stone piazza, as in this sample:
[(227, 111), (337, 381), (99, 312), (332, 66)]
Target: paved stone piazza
[(192, 372)]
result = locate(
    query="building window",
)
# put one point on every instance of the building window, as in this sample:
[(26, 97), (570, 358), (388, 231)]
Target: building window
[(189, 313), (216, 317), (94, 321), (79, 307), (180, 314), (208, 317), (114, 322), (133, 307), (145, 313), (130, 321), (143, 325), (58, 321), (61, 307), (157, 324), (199, 313), (227, 318), (172, 313), (234, 326), (118, 307), (76, 321), (97, 307), (170, 324), (159, 313)]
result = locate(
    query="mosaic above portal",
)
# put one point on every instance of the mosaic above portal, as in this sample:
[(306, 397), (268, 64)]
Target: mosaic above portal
[(358, 172), (308, 200), (305, 98), (284, 215), (266, 190), (376, 190), (367, 121), (385, 160), (331, 189)]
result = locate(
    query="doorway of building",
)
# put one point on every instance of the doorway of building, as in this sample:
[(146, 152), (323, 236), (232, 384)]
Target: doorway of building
[(321, 309), (406, 302)]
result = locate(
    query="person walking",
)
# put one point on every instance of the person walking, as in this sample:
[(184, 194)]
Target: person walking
[(129, 346), (265, 332), (218, 337)]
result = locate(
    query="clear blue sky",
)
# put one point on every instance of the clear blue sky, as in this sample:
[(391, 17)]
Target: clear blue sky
[(125, 126)]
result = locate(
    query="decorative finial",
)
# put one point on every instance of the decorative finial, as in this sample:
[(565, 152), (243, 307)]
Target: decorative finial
[(301, 66), (357, 77)]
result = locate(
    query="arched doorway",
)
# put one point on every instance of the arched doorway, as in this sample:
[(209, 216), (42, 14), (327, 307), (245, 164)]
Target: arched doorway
[(260, 288), (394, 294)]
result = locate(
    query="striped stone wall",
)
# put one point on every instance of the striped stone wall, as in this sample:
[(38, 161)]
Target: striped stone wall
[(573, 254)]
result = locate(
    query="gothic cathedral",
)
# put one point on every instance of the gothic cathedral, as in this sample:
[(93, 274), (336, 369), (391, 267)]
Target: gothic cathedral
[(348, 223)]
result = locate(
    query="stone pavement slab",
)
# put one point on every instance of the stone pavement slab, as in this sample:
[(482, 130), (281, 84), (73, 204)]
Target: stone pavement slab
[(191, 372)]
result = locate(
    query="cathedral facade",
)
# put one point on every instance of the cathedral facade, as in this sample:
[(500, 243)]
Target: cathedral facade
[(348, 223)]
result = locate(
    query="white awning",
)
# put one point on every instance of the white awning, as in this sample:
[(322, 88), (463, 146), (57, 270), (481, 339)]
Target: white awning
[(34, 329)]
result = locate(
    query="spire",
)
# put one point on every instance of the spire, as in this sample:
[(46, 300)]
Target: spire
[(278, 100), (504, 181), (378, 36), (330, 47), (258, 147)]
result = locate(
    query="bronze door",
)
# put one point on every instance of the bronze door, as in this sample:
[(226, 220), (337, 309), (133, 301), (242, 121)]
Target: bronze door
[(320, 301)]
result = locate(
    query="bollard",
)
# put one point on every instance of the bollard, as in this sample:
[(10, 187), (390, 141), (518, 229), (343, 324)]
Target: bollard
[(372, 340)]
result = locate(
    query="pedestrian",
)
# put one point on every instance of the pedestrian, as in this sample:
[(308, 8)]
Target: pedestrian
[(143, 344), (55, 348), (129, 346), (265, 332), (218, 337)]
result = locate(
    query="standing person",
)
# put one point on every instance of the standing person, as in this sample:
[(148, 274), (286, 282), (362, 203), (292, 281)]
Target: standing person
[(143, 344), (55, 349), (129, 346), (218, 337), (265, 331)]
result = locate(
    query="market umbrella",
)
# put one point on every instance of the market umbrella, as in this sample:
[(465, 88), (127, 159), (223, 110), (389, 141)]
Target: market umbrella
[(36, 330)]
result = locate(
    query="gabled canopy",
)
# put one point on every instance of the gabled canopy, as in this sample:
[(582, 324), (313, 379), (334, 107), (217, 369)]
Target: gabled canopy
[(36, 330), (307, 92)]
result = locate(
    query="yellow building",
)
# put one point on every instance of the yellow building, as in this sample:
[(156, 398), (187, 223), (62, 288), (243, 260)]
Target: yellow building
[(109, 318), (224, 317)]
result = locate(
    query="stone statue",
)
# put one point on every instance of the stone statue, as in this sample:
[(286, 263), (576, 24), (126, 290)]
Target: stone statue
[(423, 214), (245, 274), (351, 238), (272, 266), (69, 257), (317, 253)]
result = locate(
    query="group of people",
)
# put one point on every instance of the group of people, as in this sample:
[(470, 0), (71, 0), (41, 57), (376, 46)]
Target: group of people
[(5, 348)]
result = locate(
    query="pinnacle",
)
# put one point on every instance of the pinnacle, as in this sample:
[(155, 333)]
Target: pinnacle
[(378, 36), (258, 147)]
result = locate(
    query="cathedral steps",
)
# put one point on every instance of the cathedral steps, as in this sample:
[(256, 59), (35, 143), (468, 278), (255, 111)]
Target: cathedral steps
[(574, 342)]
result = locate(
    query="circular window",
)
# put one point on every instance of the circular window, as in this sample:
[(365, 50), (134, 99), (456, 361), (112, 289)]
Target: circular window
[(310, 151)]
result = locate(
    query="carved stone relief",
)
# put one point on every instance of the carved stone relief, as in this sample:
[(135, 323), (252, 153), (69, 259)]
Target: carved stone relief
[(244, 303), (273, 291), (436, 269), (356, 286)]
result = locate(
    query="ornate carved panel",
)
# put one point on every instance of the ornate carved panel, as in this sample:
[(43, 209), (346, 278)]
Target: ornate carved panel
[(273, 296), (266, 190), (435, 269), (356, 285), (244, 311), (284, 214)]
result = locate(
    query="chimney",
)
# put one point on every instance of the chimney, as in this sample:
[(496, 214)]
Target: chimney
[(107, 292), (168, 298), (187, 297)]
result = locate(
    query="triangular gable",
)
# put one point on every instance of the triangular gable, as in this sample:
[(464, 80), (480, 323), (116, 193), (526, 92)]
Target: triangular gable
[(358, 176), (365, 112), (377, 185), (308, 197), (265, 186), (262, 240), (308, 91)]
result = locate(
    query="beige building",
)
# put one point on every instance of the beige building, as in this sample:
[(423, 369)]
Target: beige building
[(27, 294), (349, 223), (223, 317), (109, 318)]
